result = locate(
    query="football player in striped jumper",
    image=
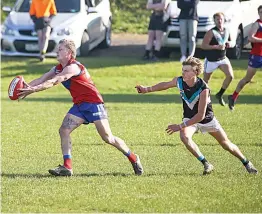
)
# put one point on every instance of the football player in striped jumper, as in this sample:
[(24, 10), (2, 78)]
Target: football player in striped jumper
[(215, 43), (198, 113)]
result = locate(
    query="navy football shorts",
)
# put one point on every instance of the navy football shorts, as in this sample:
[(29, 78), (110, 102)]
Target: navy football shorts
[(90, 112)]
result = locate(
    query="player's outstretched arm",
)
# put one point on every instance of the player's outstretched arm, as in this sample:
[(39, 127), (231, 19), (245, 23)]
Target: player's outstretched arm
[(48, 75), (66, 74), (158, 87)]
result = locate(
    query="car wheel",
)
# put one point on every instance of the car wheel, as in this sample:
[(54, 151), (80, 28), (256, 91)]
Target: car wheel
[(84, 48), (106, 43), (235, 52)]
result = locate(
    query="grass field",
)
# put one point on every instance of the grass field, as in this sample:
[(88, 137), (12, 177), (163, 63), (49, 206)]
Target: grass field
[(104, 180)]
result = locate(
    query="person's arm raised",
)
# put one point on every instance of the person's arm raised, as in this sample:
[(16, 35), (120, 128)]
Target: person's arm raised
[(66, 74), (48, 75), (158, 87)]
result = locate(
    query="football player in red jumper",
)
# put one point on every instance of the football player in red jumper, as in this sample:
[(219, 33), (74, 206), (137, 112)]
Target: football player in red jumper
[(255, 58), (88, 106)]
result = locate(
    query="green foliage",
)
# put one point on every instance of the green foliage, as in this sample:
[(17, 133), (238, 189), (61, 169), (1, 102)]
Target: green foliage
[(128, 15), (9, 3), (104, 180)]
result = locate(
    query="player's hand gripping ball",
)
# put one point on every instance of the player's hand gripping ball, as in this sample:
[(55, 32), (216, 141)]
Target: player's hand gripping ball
[(15, 84)]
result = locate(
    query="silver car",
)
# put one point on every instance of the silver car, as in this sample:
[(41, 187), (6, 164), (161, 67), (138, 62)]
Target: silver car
[(86, 22)]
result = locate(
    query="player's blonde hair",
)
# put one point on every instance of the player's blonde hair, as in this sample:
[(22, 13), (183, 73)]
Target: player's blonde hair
[(70, 45), (196, 64), (218, 14)]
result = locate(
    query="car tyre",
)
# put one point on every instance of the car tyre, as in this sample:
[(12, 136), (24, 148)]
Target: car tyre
[(106, 43), (235, 52), (84, 48)]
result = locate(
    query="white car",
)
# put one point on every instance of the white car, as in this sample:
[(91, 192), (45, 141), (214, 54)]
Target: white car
[(240, 14), (86, 22)]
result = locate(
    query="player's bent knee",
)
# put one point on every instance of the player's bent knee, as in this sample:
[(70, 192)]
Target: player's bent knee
[(109, 139), (230, 77), (227, 145), (185, 139), (63, 131)]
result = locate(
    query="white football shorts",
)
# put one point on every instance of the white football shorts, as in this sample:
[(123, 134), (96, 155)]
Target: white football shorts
[(209, 67), (212, 126)]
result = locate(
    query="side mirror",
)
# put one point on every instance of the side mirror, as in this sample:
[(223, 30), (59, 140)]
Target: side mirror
[(92, 10), (6, 9)]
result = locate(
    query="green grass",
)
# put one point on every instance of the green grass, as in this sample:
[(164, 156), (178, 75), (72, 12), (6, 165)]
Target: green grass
[(103, 180)]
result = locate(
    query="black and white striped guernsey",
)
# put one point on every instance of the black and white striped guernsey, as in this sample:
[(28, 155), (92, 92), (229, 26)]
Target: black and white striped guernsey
[(190, 97)]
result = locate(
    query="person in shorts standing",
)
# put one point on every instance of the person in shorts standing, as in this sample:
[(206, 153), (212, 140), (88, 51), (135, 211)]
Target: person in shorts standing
[(42, 12), (157, 26)]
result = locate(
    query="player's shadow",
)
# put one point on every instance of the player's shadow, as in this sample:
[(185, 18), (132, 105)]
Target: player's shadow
[(20, 175), (95, 174)]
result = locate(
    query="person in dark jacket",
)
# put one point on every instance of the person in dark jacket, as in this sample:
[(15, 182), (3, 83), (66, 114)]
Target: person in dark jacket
[(188, 20)]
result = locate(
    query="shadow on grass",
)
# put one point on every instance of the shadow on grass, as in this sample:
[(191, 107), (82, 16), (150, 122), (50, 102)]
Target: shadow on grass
[(152, 98), (37, 175), (93, 174), (119, 174), (120, 55), (33, 66), (16, 175)]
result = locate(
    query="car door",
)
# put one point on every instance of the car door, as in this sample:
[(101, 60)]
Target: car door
[(94, 25), (249, 16)]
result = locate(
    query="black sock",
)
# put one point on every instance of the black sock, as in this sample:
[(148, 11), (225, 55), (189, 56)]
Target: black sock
[(245, 162), (221, 92), (147, 53), (204, 161)]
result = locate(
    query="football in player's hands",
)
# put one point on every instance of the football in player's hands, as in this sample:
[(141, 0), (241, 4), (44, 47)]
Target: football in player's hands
[(15, 84)]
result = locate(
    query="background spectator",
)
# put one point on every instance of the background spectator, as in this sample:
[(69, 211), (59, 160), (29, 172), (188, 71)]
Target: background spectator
[(41, 12), (188, 20), (157, 26)]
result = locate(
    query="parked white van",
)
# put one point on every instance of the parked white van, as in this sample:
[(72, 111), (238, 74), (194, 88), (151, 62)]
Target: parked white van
[(240, 14)]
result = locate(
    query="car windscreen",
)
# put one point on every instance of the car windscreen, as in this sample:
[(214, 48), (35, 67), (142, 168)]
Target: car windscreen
[(62, 6)]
